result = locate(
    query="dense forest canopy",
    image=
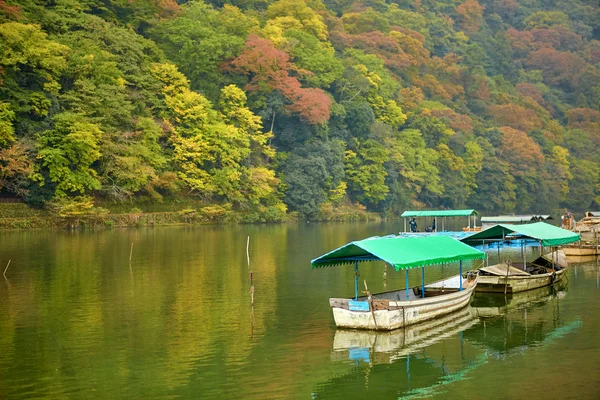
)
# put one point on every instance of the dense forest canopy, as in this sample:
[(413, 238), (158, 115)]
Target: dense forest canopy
[(269, 107)]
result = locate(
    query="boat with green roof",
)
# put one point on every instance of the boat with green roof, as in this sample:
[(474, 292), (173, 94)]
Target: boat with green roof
[(401, 308), (513, 276)]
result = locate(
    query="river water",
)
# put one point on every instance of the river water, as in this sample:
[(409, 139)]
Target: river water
[(78, 320)]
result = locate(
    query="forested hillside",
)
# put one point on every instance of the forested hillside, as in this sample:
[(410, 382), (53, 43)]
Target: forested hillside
[(269, 107)]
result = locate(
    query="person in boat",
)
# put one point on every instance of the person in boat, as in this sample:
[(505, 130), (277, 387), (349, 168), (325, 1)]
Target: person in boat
[(431, 228), (413, 225)]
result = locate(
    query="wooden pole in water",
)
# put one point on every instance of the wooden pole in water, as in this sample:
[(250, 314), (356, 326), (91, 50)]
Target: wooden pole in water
[(247, 252), (506, 278), (251, 282), (131, 252), (6, 269)]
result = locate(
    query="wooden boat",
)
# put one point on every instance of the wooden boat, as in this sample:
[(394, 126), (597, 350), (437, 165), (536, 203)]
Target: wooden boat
[(519, 277), (581, 250), (389, 311), (503, 278), (401, 308)]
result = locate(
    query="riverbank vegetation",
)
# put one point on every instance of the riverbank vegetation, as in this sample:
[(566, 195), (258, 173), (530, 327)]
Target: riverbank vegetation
[(261, 111)]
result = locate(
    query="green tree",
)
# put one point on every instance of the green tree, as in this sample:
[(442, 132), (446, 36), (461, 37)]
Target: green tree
[(66, 154)]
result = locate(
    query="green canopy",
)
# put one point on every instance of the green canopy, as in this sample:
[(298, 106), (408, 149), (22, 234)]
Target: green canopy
[(401, 252), (548, 234), (438, 213)]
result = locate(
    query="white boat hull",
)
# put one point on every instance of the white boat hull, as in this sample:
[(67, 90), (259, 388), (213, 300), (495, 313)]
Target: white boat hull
[(389, 315)]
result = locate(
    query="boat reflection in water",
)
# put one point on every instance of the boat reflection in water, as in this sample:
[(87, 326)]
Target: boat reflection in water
[(517, 323), (419, 361), (385, 347), (488, 305), (414, 361)]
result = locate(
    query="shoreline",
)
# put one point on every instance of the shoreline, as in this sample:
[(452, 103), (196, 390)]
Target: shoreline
[(19, 216)]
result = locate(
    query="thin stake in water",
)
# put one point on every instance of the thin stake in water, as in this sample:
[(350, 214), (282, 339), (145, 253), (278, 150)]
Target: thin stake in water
[(131, 252), (6, 269)]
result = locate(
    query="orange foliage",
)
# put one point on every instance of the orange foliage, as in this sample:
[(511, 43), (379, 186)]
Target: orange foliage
[(530, 90), (15, 166), (167, 8), (400, 49), (411, 98), (516, 117), (519, 150), (269, 69), (584, 118), (470, 15), (458, 122), (479, 89)]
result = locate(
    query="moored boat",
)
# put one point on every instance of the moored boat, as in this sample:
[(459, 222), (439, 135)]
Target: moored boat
[(581, 250), (514, 277), (401, 308), (503, 278)]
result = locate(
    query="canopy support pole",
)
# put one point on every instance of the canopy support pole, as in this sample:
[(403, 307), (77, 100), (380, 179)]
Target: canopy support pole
[(487, 262), (524, 256), (460, 288), (406, 283), (404, 224), (499, 260), (355, 280), (422, 282)]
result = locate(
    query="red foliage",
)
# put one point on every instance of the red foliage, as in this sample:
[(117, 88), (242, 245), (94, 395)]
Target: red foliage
[(520, 41), (558, 37), (312, 104), (12, 12), (558, 68), (516, 117), (269, 70), (520, 151)]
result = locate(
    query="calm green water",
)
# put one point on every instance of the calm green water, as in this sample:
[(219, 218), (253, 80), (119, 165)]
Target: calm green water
[(77, 321)]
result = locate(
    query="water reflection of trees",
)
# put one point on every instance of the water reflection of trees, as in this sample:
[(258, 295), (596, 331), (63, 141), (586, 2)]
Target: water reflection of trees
[(82, 312)]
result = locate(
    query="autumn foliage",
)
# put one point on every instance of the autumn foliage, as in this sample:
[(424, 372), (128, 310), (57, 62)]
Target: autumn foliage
[(270, 69)]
